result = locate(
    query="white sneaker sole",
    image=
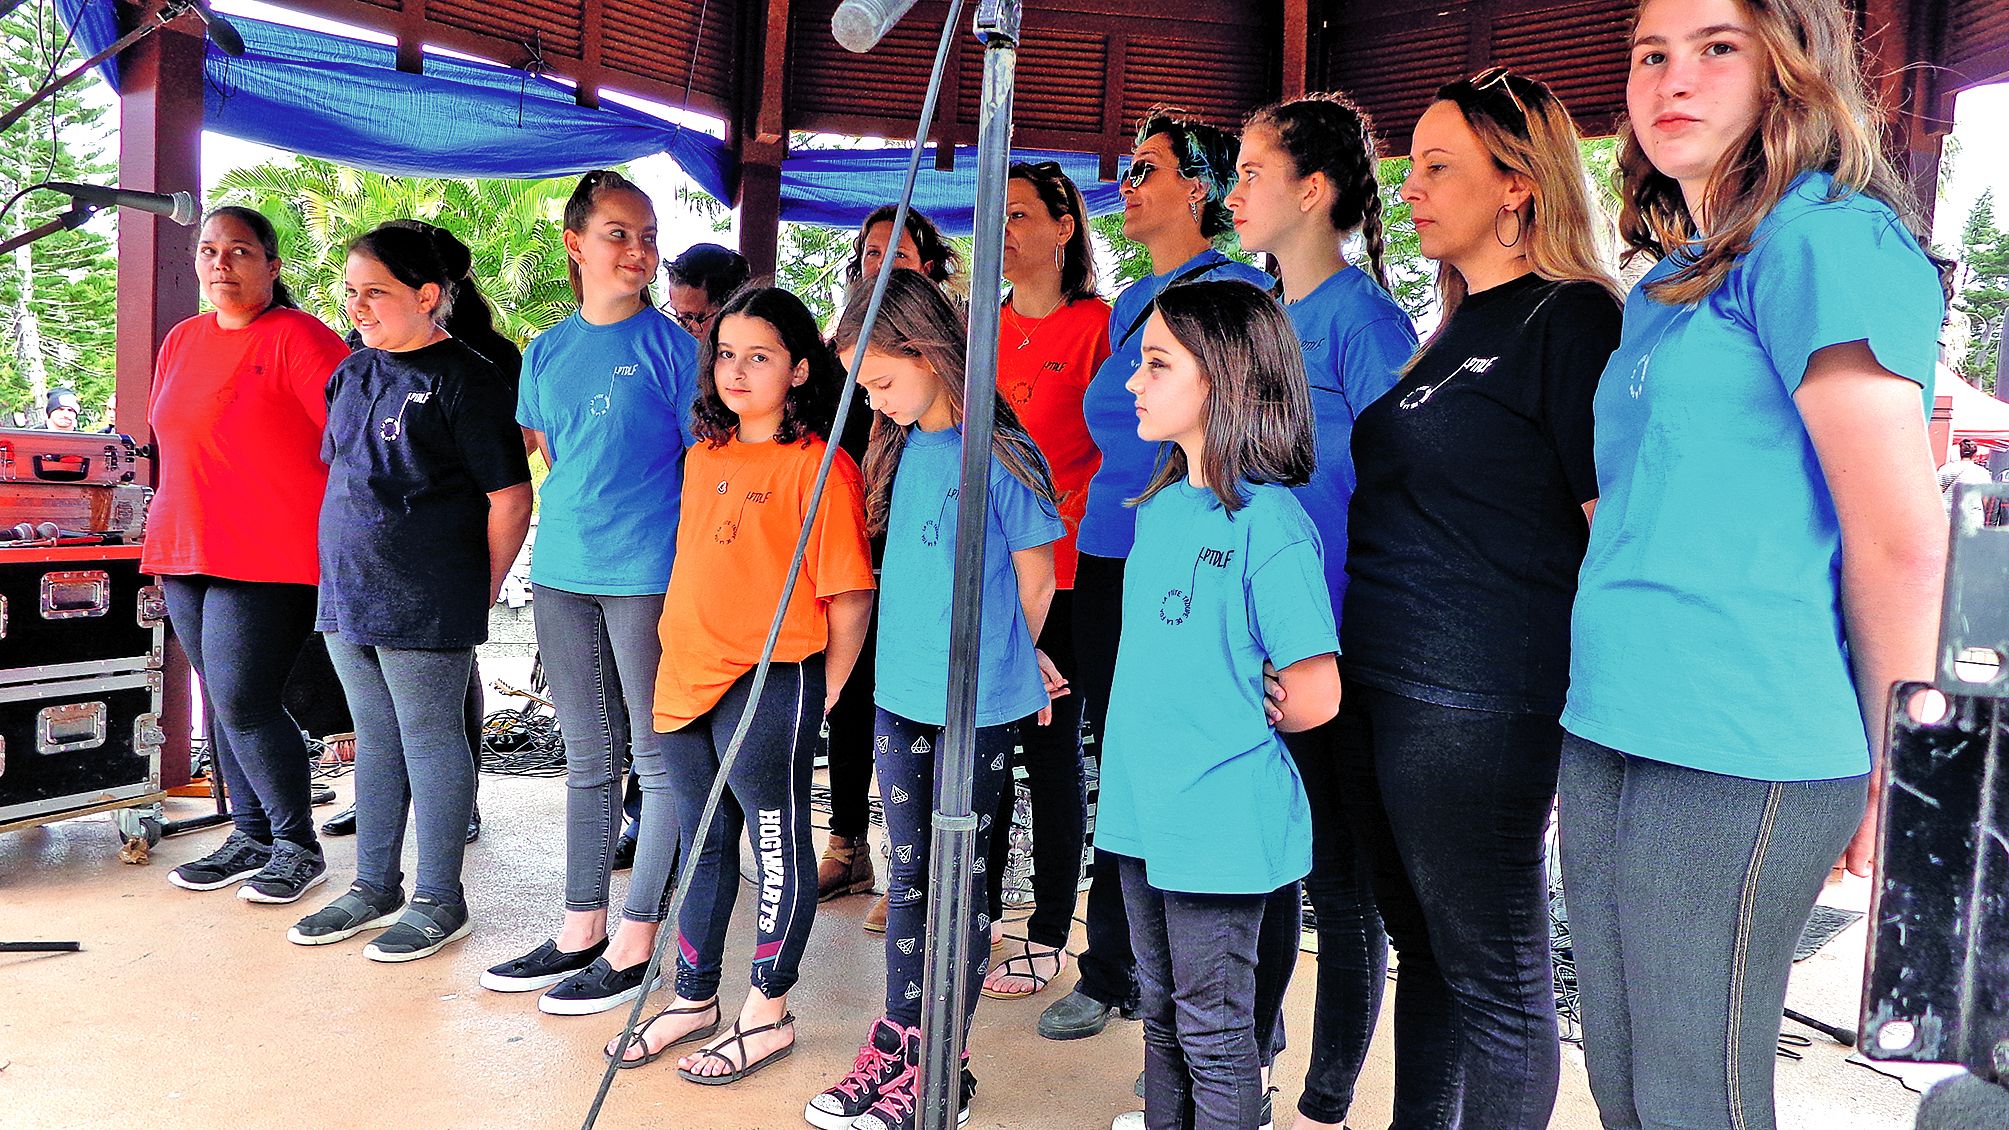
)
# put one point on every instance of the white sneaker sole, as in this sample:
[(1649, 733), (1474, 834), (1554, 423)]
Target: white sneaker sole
[(249, 893), (175, 878), (374, 954), (555, 1007), (378, 923), (825, 1120), (497, 983)]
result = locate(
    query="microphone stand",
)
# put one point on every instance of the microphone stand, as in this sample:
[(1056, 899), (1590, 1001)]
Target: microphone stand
[(75, 217), (167, 14)]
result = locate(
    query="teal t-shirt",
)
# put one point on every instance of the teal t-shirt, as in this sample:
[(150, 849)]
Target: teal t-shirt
[(917, 577), (1195, 781), (1708, 628), (614, 404)]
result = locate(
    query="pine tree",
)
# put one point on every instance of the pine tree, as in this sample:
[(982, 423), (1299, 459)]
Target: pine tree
[(1983, 291), (58, 295)]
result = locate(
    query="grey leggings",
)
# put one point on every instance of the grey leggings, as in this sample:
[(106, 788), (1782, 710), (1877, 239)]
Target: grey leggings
[(600, 656), (1687, 892), (411, 749)]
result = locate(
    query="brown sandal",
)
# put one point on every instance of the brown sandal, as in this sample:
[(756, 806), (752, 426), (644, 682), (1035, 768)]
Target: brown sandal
[(740, 1070), (641, 1037)]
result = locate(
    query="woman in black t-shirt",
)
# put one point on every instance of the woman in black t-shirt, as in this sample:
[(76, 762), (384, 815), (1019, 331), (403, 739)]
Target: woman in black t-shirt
[(428, 502), (1466, 529)]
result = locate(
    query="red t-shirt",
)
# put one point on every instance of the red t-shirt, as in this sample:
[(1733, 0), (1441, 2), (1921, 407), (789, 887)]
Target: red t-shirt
[(1044, 366), (237, 417)]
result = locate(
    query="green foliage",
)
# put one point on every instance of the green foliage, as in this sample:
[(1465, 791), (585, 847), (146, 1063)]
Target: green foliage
[(810, 263), (57, 296), (511, 226), (1983, 289)]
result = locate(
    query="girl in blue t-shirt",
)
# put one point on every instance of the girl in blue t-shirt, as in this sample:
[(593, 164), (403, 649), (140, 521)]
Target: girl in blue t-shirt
[(1767, 554), (606, 395), (1201, 805), (1305, 184), (913, 372)]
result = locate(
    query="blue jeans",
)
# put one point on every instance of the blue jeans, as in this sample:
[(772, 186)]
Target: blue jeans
[(1449, 806), (769, 784), (1196, 976), (600, 657), (242, 638), (411, 751), (1687, 894)]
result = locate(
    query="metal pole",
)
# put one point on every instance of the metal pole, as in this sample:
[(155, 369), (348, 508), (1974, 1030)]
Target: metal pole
[(951, 907)]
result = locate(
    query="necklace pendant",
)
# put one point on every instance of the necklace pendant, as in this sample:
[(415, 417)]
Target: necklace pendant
[(722, 483)]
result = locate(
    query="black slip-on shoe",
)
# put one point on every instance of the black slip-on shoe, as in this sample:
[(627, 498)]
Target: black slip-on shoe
[(362, 908), (426, 926), (541, 968), (596, 988)]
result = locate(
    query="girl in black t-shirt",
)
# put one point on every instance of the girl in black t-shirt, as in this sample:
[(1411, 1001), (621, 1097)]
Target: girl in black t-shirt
[(428, 502), (1465, 532)]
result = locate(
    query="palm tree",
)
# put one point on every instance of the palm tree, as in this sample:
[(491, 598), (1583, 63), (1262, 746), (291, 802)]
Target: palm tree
[(512, 227)]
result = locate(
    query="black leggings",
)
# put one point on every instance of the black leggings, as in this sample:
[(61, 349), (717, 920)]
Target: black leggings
[(1108, 970), (1051, 755), (850, 746), (242, 638)]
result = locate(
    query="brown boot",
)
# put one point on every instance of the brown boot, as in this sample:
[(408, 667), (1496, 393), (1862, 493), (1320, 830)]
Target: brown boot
[(875, 918), (845, 869)]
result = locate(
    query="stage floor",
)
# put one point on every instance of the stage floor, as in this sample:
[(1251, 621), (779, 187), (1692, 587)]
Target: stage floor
[(192, 1010)]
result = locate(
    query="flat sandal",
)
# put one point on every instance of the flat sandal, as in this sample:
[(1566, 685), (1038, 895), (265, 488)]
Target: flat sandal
[(742, 1069), (641, 1034)]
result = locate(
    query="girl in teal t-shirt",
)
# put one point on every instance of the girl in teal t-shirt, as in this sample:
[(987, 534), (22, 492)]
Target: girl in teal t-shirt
[(1201, 804), (1766, 556)]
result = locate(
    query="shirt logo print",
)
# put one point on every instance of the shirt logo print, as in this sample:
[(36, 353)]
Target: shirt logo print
[(728, 530), (931, 530), (603, 402), (1177, 605), (1417, 397), (1637, 384), (394, 426)]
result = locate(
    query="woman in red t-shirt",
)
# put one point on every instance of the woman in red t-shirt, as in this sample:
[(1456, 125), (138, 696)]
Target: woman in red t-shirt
[(237, 408), (1053, 334)]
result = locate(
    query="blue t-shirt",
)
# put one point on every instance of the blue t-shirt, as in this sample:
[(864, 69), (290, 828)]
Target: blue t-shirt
[(1708, 625), (1195, 781), (1128, 462), (1356, 340), (915, 588), (614, 404)]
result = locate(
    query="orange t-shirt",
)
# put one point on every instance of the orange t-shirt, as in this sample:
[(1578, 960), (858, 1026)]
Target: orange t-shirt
[(237, 417), (1044, 367), (743, 507)]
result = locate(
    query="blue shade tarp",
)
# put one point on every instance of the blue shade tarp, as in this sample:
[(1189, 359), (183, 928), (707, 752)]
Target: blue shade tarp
[(841, 186)]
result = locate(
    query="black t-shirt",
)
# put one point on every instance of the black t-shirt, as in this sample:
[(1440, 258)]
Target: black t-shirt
[(1467, 528), (492, 346), (416, 442)]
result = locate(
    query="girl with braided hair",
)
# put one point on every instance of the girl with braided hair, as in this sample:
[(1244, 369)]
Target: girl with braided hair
[(1306, 186)]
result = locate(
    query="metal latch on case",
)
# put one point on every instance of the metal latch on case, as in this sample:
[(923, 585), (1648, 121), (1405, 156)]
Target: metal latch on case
[(74, 593), (70, 727), (152, 607)]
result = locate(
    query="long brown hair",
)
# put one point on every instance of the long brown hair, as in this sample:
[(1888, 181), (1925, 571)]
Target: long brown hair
[(1062, 199), (939, 258), (1815, 113), (808, 407), (917, 321), (579, 212), (1527, 130), (1259, 414), (1327, 133)]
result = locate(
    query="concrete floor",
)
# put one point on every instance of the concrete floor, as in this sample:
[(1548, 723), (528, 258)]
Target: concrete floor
[(191, 1010)]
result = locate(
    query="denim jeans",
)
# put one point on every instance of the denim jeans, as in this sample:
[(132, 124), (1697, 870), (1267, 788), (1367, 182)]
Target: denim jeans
[(768, 785), (411, 751), (242, 638), (1051, 755), (1687, 893), (1449, 806), (1108, 969), (1196, 975), (600, 658), (1352, 943)]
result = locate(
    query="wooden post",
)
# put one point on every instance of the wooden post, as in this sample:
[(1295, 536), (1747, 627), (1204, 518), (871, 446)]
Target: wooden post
[(760, 132), (757, 208), (160, 150), (1297, 48)]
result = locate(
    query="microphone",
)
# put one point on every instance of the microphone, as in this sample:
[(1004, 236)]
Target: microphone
[(220, 30), (176, 206), (51, 530), (20, 531), (860, 24)]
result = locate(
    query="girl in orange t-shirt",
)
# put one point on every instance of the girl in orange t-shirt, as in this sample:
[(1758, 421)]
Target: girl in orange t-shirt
[(765, 398)]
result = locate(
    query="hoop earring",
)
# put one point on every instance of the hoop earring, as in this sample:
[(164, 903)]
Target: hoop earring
[(1059, 264), (1519, 226)]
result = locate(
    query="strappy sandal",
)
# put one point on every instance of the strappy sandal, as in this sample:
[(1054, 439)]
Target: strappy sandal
[(1007, 968), (737, 1039), (642, 1035)]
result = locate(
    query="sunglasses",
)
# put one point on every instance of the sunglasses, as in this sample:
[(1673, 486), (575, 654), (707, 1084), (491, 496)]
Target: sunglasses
[(1493, 77)]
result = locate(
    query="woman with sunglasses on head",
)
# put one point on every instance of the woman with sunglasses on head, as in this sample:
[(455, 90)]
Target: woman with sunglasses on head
[(1466, 529), (1768, 531), (1054, 332), (1306, 183), (1174, 203)]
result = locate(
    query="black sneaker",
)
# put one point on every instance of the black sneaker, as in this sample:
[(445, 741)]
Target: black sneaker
[(362, 908), (238, 859), (540, 968), (879, 1062), (596, 988), (426, 926), (293, 872), (899, 1104)]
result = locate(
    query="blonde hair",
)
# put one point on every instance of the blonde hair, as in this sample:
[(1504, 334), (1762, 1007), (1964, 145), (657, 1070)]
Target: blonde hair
[(1527, 130), (1815, 113)]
